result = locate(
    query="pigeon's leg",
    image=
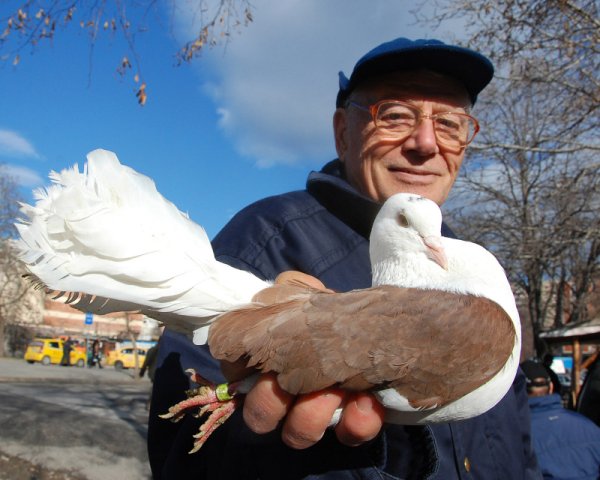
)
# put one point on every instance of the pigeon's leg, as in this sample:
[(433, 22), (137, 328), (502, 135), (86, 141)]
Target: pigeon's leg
[(219, 413), (216, 401)]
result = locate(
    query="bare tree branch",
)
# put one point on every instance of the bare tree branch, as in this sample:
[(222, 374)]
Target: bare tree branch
[(530, 185), (14, 290), (505, 146), (32, 23)]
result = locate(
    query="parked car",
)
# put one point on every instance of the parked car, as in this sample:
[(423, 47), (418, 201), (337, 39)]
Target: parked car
[(124, 357), (50, 351)]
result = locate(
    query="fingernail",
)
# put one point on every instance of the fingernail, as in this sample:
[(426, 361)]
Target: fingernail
[(364, 403)]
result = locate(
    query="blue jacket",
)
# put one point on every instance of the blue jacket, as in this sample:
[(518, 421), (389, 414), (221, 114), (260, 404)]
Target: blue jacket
[(323, 231), (567, 444)]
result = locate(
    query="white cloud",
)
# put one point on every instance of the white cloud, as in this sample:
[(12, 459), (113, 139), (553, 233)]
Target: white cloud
[(13, 144), (275, 83), (23, 176)]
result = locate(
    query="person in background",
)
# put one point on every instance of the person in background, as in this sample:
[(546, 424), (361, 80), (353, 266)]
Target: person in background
[(149, 364), (66, 357), (402, 123), (547, 362), (95, 354), (566, 443)]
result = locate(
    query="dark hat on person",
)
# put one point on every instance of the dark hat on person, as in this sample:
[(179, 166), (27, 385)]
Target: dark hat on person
[(471, 68), (533, 372)]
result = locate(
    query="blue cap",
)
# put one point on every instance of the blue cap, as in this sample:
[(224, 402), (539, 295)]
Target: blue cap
[(470, 68)]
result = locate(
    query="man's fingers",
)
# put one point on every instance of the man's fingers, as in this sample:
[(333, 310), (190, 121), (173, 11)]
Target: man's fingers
[(309, 418), (361, 420), (266, 404)]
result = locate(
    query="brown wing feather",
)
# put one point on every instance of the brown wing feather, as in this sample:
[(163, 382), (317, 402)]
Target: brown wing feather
[(432, 346)]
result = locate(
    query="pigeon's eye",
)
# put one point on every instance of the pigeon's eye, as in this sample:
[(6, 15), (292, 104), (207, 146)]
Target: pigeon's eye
[(402, 220)]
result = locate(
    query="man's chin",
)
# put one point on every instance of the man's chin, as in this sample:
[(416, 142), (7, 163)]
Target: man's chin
[(433, 194)]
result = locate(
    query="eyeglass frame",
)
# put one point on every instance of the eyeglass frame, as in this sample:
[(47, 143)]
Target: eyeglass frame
[(373, 109)]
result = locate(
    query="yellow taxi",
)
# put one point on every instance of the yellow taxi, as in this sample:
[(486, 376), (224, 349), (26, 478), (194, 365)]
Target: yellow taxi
[(124, 357), (50, 351)]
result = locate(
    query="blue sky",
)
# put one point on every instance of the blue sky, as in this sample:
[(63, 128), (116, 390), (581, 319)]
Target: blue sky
[(238, 124)]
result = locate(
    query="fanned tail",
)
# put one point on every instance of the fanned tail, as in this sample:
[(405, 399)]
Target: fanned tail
[(107, 234)]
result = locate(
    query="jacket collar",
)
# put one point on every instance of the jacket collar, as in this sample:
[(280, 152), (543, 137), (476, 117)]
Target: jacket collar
[(332, 190), (546, 402)]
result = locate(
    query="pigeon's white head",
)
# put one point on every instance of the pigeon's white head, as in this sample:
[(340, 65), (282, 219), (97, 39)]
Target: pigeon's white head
[(407, 230)]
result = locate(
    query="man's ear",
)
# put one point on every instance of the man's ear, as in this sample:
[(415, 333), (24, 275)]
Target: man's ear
[(340, 127)]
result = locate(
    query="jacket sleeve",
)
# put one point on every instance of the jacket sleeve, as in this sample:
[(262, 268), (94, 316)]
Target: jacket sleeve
[(532, 469)]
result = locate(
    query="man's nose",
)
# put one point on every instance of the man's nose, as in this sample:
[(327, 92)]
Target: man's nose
[(423, 139)]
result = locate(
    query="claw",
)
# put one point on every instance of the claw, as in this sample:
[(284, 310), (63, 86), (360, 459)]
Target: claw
[(198, 397), (197, 378), (220, 413), (218, 401)]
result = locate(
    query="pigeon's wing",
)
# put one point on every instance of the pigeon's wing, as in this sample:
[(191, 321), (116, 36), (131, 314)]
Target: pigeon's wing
[(106, 232), (431, 346)]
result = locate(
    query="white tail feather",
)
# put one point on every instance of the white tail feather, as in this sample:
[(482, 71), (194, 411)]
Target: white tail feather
[(107, 232)]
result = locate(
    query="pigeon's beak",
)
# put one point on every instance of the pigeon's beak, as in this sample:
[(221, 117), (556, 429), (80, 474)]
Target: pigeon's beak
[(435, 250)]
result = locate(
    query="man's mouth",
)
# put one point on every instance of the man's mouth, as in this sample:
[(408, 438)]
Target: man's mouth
[(411, 175)]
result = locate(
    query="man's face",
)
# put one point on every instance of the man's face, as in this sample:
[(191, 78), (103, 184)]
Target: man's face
[(379, 167)]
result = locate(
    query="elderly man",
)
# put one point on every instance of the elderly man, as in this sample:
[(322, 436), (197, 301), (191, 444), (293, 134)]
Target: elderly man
[(402, 124)]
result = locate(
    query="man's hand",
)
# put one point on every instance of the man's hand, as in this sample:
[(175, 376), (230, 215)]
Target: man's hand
[(306, 417)]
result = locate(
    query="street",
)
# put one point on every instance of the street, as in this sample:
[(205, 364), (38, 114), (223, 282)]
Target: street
[(71, 423)]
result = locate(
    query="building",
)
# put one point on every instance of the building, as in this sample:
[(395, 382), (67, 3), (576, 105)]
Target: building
[(59, 318), (48, 316)]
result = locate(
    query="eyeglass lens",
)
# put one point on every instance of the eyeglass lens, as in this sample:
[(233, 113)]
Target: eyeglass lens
[(453, 129)]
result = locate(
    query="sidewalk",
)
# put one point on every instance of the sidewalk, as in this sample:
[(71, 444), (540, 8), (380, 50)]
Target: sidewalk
[(18, 370), (69, 423)]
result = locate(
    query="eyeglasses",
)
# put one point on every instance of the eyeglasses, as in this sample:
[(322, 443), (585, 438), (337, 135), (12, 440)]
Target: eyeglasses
[(397, 120)]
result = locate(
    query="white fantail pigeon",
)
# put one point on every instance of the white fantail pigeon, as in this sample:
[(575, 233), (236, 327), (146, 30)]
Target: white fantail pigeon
[(108, 239)]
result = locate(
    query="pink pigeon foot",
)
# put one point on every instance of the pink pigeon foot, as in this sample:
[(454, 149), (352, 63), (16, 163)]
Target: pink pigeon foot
[(218, 401)]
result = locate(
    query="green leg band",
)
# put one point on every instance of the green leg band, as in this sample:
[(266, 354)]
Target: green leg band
[(222, 392)]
